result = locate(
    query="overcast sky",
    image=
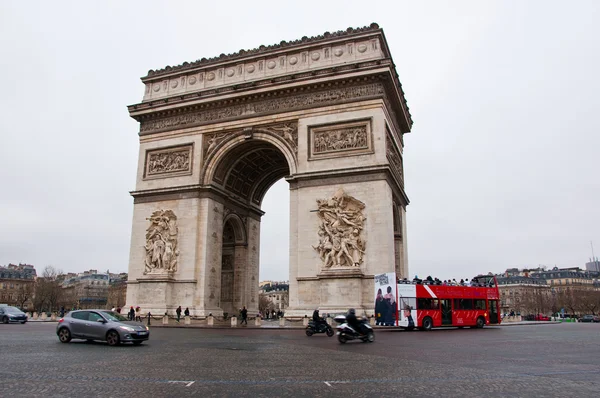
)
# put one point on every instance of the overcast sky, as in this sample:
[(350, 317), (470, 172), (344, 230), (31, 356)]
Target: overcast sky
[(502, 166)]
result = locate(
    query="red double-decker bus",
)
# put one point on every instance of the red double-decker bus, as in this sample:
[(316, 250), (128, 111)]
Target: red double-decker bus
[(428, 306)]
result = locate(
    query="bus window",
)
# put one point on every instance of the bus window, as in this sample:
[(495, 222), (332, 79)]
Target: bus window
[(479, 304), (404, 302), (463, 304), (428, 304)]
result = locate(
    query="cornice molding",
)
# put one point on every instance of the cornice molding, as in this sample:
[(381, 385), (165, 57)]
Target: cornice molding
[(263, 50)]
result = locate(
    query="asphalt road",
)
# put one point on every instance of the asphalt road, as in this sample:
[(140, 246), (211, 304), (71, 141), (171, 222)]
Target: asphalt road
[(542, 361)]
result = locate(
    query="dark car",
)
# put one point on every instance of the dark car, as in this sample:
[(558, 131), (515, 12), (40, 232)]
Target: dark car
[(10, 314), (589, 318), (101, 325)]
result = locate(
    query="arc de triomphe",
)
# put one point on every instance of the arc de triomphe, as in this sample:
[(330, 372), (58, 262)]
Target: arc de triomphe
[(326, 113)]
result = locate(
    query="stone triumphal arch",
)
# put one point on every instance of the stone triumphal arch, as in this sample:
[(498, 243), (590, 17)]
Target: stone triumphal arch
[(326, 113)]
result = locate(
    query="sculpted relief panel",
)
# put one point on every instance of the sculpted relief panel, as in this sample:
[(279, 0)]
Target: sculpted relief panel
[(166, 162), (161, 243), (341, 222), (394, 159), (340, 140)]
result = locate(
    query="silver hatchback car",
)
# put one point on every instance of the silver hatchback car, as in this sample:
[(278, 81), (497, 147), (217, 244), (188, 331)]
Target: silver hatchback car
[(103, 325)]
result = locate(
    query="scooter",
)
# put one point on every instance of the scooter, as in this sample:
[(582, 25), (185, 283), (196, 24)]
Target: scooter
[(322, 327), (347, 332)]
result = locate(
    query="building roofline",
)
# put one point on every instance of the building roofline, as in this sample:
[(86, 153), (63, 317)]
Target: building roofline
[(264, 50)]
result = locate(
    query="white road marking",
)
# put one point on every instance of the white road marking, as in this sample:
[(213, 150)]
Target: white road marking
[(186, 382), (327, 383)]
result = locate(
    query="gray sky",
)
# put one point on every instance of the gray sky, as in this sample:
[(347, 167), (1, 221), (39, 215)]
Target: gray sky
[(501, 167)]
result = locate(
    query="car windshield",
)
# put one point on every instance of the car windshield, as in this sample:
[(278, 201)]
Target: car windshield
[(12, 310), (113, 316)]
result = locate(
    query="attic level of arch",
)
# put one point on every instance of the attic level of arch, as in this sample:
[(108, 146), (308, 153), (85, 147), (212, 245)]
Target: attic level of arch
[(276, 96)]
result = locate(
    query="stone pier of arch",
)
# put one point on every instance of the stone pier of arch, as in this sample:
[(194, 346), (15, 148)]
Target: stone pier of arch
[(326, 113)]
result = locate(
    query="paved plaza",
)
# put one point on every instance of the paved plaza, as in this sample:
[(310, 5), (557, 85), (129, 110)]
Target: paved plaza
[(541, 360)]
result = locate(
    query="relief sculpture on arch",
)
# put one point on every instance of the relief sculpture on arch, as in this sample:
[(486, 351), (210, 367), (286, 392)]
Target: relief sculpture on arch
[(341, 223), (161, 243)]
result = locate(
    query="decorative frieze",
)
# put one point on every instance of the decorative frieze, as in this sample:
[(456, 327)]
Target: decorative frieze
[(168, 162), (340, 140), (272, 105), (394, 158)]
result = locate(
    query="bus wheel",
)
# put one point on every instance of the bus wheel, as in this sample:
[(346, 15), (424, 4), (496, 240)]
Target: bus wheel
[(427, 324), (480, 322)]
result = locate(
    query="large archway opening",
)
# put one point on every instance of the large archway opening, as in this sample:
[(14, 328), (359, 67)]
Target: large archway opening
[(255, 232)]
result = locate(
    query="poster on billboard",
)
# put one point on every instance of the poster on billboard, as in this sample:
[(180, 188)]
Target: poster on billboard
[(385, 299), (407, 304)]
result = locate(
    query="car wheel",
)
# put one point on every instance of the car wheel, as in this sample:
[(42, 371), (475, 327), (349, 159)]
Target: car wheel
[(64, 335), (427, 324), (112, 338), (137, 342), (5, 319), (480, 323)]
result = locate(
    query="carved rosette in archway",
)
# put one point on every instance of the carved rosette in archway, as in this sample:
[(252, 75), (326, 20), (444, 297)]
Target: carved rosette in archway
[(341, 223), (161, 247), (287, 131)]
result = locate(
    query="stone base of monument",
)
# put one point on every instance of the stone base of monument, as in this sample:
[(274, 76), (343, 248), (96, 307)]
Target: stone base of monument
[(187, 320), (305, 321), (257, 321), (165, 320), (233, 321), (335, 289), (210, 320), (282, 321)]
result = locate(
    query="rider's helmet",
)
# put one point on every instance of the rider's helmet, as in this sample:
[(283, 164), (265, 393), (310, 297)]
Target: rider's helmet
[(352, 311)]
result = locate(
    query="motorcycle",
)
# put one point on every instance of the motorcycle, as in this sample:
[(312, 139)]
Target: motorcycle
[(322, 327), (347, 332)]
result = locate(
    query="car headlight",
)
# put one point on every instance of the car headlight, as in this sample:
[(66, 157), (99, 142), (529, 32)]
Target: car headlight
[(146, 327), (127, 328)]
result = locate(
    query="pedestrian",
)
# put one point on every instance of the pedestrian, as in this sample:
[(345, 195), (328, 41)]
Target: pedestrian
[(178, 312), (138, 316), (244, 316), (131, 313), (113, 309), (186, 312), (118, 310)]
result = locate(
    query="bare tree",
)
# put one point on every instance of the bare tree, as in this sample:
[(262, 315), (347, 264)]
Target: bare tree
[(24, 293), (48, 290), (589, 300), (264, 303)]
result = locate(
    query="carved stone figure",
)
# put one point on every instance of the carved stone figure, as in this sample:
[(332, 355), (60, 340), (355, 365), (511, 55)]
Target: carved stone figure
[(161, 243), (341, 223), (289, 132)]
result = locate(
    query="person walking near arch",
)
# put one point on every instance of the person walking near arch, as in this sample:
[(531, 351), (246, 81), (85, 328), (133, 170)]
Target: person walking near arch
[(244, 316), (178, 312)]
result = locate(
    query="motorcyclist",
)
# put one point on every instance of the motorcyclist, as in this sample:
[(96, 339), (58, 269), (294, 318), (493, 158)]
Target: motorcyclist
[(317, 319), (353, 321)]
